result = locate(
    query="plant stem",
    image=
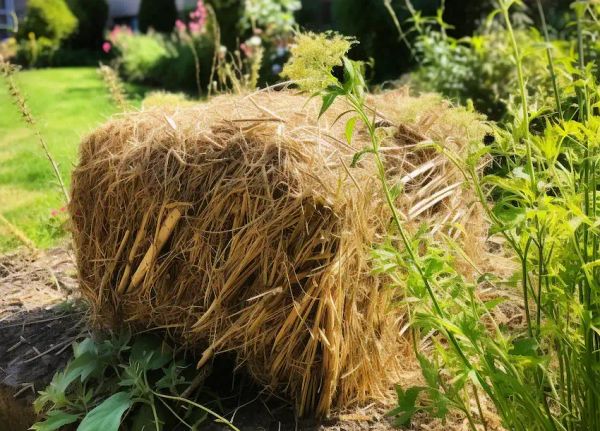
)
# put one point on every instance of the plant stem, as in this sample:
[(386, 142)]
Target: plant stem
[(201, 407), (523, 92)]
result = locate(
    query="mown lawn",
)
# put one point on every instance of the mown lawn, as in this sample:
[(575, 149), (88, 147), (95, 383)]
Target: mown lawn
[(67, 103)]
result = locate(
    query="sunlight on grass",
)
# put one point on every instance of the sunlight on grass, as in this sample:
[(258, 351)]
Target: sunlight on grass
[(66, 103)]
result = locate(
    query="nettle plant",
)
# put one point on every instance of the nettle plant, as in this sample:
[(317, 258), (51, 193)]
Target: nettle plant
[(543, 376), (118, 381)]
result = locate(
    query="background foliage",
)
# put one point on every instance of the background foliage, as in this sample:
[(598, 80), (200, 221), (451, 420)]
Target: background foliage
[(159, 15)]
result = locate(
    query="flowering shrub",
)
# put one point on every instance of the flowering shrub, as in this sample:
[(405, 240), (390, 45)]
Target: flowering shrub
[(137, 54), (181, 60)]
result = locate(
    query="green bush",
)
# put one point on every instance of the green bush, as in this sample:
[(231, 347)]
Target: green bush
[(92, 16), (479, 70), (139, 55), (374, 28), (160, 60), (50, 19), (35, 51), (179, 71), (159, 15)]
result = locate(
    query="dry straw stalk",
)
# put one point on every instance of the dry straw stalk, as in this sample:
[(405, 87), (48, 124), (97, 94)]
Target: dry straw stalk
[(247, 231)]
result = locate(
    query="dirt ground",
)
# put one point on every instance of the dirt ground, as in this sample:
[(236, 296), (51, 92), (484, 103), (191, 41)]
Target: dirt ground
[(40, 318)]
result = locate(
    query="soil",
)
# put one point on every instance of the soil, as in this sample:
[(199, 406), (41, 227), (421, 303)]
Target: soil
[(37, 328), (40, 318)]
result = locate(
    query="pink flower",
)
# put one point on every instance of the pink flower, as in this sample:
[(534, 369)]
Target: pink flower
[(195, 27), (180, 25), (54, 213), (246, 50), (118, 30), (198, 18), (106, 46)]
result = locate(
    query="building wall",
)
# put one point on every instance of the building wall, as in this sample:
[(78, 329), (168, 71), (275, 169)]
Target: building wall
[(20, 6), (123, 8), (129, 8)]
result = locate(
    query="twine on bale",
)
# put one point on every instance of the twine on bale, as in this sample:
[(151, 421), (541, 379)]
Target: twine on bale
[(238, 225)]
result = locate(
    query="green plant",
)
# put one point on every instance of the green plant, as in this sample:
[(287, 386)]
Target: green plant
[(275, 17), (140, 54), (478, 69), (121, 380), (114, 87), (179, 61), (35, 51), (8, 71), (158, 15), (444, 302), (51, 19), (540, 377), (91, 16), (546, 210)]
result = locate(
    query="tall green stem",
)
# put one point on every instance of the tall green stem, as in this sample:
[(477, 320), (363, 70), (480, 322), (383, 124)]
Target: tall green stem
[(505, 5)]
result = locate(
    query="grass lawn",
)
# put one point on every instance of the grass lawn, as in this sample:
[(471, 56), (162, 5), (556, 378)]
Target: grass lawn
[(66, 103)]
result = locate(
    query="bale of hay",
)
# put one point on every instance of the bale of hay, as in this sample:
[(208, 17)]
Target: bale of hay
[(238, 225)]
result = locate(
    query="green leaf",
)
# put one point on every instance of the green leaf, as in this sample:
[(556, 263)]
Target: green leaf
[(350, 129), (328, 99), (56, 420), (396, 190), (80, 367), (107, 415), (433, 266), (84, 365), (143, 420), (524, 347), (493, 303), (409, 398), (349, 74), (86, 346), (429, 371), (150, 351), (406, 405), (358, 155)]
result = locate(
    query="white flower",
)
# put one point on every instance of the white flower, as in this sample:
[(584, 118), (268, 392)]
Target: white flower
[(254, 41)]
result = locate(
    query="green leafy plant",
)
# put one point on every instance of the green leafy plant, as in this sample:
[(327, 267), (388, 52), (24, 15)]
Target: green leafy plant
[(541, 376), (51, 19), (478, 69), (179, 61), (121, 380), (546, 210), (275, 17)]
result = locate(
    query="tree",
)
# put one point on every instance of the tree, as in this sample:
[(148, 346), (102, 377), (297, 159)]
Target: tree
[(92, 16), (51, 19), (159, 15)]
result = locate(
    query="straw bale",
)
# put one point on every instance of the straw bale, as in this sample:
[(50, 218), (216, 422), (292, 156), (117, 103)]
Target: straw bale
[(239, 225)]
